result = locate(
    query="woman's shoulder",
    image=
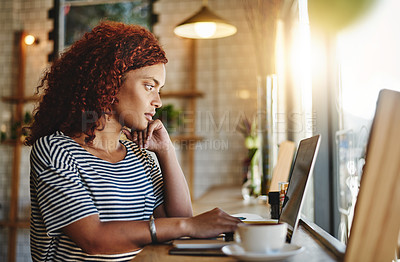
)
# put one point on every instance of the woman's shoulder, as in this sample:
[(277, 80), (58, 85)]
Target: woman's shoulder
[(56, 150), (57, 137), (53, 145)]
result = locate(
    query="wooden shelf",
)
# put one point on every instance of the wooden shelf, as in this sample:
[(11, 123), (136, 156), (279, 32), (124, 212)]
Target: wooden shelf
[(190, 138), (19, 99), (15, 224), (11, 142), (182, 94)]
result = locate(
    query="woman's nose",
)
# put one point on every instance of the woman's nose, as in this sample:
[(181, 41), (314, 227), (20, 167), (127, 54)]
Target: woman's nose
[(157, 101)]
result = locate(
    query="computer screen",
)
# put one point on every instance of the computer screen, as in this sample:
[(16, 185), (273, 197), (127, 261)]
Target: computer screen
[(302, 168)]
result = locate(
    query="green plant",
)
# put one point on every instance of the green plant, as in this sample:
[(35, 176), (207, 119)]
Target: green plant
[(252, 166), (17, 128), (170, 117)]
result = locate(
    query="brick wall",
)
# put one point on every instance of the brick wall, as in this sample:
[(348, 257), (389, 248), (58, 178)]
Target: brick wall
[(225, 69), (30, 16)]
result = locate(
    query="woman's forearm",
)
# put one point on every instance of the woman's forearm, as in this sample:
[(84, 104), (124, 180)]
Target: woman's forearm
[(121, 236), (114, 237)]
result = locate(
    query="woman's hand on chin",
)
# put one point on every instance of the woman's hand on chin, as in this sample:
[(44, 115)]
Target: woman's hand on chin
[(154, 138)]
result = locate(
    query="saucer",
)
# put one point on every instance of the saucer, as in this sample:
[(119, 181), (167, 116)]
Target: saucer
[(238, 252)]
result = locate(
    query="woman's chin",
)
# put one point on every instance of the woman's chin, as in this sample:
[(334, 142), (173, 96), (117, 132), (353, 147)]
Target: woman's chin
[(140, 127)]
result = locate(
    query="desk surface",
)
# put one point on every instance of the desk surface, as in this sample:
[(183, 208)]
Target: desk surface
[(229, 199)]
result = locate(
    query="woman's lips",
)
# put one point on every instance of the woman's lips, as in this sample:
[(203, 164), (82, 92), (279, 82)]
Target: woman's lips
[(149, 116)]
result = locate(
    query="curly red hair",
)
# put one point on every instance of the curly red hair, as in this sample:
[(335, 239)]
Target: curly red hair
[(83, 83)]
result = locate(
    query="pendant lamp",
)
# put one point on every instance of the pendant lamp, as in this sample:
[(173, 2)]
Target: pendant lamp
[(204, 24)]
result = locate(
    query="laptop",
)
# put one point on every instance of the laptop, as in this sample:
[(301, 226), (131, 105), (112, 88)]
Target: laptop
[(299, 176), (298, 180), (302, 168)]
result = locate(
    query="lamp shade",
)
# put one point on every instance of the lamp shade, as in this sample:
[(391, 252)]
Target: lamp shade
[(204, 25)]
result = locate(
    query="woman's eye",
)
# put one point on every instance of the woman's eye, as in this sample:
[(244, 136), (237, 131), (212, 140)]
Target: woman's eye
[(149, 87)]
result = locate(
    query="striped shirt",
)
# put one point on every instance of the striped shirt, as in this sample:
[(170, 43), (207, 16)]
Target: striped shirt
[(68, 183)]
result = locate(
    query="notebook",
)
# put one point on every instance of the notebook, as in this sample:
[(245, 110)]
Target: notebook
[(298, 180)]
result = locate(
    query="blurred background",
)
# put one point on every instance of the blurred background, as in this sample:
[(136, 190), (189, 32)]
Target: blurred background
[(291, 69)]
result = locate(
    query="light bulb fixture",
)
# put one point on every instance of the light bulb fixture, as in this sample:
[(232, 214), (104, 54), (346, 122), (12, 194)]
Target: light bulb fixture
[(204, 25), (30, 40)]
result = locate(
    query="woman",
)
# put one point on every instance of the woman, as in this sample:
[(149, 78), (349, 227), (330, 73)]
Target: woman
[(94, 196)]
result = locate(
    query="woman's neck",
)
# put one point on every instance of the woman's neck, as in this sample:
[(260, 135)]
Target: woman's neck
[(106, 144)]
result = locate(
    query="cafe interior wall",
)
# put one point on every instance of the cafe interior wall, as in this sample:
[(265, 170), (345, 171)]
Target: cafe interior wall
[(225, 73), (32, 17)]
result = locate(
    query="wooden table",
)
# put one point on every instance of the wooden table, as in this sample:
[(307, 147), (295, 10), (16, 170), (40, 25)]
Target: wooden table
[(229, 199)]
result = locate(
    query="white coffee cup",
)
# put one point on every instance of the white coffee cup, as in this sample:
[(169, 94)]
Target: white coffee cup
[(261, 237)]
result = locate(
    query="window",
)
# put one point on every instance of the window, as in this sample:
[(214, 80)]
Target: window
[(369, 60), (349, 68)]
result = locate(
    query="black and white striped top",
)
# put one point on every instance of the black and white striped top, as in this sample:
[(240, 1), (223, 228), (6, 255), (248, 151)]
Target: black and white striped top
[(68, 183)]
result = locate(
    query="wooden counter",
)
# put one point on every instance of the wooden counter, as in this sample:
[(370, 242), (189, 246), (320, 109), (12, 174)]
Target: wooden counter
[(229, 199)]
